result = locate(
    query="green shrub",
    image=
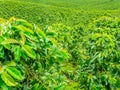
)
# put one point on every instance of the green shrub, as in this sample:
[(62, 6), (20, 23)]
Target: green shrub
[(101, 70), (26, 53)]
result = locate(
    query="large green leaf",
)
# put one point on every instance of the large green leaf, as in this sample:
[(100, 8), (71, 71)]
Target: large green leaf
[(9, 81), (22, 28), (29, 51), (15, 73), (9, 41)]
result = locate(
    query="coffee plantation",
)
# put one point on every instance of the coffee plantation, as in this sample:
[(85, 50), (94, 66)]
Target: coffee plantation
[(59, 45)]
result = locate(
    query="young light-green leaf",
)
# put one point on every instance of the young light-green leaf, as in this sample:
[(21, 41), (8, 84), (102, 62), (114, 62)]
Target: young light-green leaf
[(40, 33), (15, 73), (9, 41), (9, 81), (22, 28), (29, 51)]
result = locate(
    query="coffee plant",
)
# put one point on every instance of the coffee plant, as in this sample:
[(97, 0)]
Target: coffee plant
[(26, 53), (102, 67)]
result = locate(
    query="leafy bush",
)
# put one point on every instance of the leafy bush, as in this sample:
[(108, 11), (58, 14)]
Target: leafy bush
[(101, 70), (26, 53)]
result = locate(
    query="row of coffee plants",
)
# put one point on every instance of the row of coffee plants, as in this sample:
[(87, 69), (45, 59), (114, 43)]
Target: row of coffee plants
[(95, 52), (44, 12), (100, 70), (60, 57)]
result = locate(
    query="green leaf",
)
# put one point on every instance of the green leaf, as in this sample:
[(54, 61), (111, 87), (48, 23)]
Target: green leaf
[(9, 41), (2, 85), (64, 54), (1, 39), (1, 52), (30, 37), (29, 51), (36, 86), (23, 38), (22, 28), (40, 33), (17, 53), (7, 46), (9, 81), (24, 23), (14, 73), (51, 34), (11, 63)]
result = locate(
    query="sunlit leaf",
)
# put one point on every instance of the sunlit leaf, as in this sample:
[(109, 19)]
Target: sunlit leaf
[(8, 79), (14, 73), (29, 51), (9, 41)]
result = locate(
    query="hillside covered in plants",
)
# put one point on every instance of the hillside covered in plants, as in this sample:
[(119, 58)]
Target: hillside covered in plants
[(59, 45)]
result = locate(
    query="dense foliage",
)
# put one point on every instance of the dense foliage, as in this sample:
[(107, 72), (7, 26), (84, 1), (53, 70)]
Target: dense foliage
[(44, 12), (68, 45), (26, 53), (101, 69)]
